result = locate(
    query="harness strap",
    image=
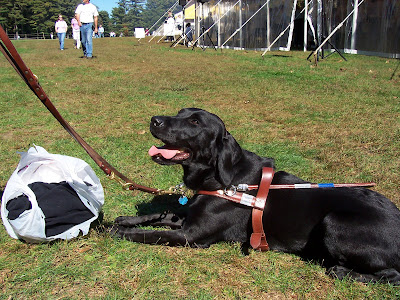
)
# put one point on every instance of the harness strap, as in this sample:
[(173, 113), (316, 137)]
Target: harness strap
[(258, 239), (241, 198)]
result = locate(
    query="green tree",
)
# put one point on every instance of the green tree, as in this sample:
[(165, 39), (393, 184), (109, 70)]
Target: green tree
[(44, 14), (127, 16), (154, 10), (134, 15), (5, 8), (118, 18), (67, 7), (17, 13), (36, 16), (105, 21)]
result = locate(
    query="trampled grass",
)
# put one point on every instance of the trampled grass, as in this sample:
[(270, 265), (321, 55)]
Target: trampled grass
[(335, 122)]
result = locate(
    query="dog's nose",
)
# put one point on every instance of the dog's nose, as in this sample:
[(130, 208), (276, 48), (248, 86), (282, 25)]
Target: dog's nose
[(157, 122)]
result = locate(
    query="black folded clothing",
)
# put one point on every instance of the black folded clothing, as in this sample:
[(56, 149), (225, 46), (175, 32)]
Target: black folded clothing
[(59, 202)]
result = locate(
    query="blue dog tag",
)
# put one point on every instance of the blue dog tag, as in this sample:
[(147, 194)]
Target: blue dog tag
[(183, 200)]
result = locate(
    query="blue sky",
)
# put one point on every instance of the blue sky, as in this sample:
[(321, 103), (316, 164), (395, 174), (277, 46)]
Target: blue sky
[(105, 4)]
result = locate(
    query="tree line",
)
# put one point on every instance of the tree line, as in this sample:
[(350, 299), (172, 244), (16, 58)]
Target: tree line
[(39, 16)]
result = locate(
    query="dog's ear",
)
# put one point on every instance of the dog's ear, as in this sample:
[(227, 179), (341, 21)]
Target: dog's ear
[(229, 154)]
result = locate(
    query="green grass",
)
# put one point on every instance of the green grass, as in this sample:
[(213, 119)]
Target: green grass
[(337, 121)]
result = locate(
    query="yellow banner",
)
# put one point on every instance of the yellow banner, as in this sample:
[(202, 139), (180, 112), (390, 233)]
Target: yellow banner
[(190, 12)]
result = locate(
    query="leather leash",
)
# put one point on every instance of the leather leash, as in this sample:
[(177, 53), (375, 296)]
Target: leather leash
[(11, 54)]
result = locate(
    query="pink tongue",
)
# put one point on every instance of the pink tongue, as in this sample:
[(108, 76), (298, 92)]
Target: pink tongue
[(166, 153)]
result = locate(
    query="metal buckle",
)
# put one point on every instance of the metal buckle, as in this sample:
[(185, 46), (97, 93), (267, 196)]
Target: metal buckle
[(125, 185), (243, 187), (179, 189), (231, 191)]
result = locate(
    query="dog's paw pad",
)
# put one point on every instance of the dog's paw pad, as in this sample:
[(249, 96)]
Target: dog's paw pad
[(119, 220)]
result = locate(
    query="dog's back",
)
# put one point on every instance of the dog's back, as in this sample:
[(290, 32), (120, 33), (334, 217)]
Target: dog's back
[(353, 231)]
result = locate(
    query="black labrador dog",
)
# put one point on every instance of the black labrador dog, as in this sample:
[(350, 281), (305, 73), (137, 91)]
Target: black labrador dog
[(354, 232)]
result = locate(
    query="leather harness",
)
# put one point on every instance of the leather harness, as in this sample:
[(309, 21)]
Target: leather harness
[(258, 239)]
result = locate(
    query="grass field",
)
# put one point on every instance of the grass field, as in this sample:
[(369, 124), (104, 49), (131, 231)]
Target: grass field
[(334, 122)]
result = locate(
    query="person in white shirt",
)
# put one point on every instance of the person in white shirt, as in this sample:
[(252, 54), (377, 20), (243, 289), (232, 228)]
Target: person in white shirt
[(169, 27), (101, 31), (76, 33), (87, 15), (61, 30)]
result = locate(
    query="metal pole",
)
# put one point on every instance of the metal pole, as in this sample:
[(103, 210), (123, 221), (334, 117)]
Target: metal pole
[(206, 31), (354, 26), (289, 43), (158, 30), (239, 29), (305, 25), (337, 28), (219, 25), (268, 26), (282, 33), (240, 25), (171, 8)]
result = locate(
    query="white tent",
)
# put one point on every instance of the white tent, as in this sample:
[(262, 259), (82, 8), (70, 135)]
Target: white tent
[(224, 22), (271, 24), (373, 28)]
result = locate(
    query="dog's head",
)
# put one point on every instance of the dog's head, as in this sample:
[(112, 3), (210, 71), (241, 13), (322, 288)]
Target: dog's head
[(198, 140)]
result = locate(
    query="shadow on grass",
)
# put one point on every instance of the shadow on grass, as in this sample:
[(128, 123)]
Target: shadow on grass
[(277, 55), (162, 205), (166, 205)]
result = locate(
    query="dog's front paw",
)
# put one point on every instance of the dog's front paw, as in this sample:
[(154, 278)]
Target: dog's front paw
[(119, 231), (113, 231), (119, 220), (126, 221)]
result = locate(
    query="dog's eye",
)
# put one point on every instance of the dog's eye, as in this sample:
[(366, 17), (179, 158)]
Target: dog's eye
[(194, 121)]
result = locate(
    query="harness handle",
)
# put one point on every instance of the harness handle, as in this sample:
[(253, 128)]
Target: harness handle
[(258, 239)]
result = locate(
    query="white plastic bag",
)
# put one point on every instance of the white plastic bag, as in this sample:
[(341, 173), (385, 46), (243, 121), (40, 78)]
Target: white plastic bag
[(37, 165)]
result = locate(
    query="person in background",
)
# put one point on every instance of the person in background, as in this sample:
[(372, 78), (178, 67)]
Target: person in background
[(87, 15), (189, 34), (169, 27), (101, 31), (61, 30), (76, 33)]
